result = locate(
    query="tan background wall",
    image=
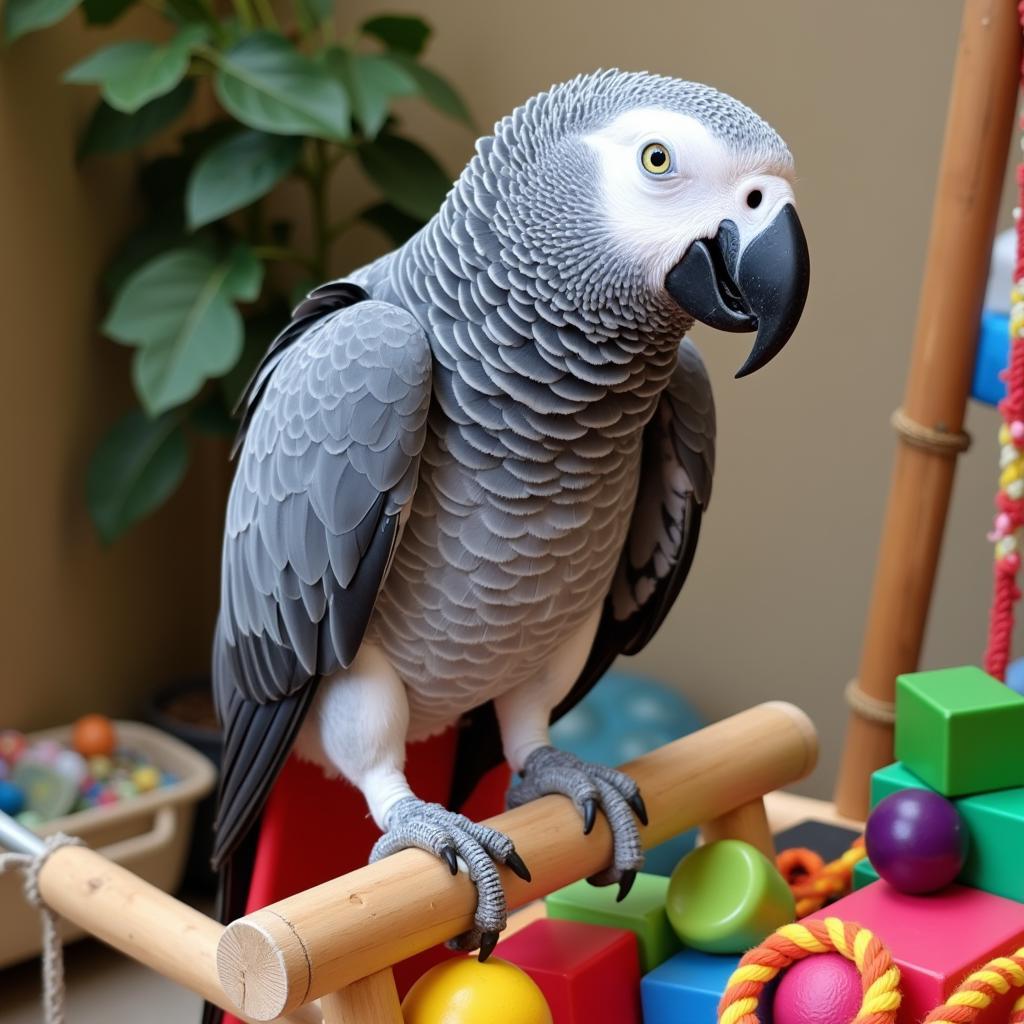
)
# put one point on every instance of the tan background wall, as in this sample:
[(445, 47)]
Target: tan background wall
[(776, 603)]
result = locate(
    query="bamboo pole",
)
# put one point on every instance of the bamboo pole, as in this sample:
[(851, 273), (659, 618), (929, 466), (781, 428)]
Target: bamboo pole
[(320, 941), (971, 172), (140, 920)]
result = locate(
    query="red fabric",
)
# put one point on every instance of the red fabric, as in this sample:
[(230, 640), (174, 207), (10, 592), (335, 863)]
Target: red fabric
[(315, 829)]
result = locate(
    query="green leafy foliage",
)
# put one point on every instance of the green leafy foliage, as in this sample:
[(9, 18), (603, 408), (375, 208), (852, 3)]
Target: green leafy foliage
[(187, 288), (24, 16), (135, 469), (372, 82), (103, 12), (267, 84), (237, 172), (407, 175), (178, 311), (133, 73), (399, 32), (110, 131)]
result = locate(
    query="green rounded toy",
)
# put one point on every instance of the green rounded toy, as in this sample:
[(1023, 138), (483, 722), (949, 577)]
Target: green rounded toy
[(726, 897)]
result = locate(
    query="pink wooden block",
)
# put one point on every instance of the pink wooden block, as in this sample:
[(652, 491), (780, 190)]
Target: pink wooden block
[(588, 973), (936, 940)]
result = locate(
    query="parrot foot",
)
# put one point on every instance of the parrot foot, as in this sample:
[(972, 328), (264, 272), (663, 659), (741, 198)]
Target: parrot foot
[(590, 786), (453, 837)]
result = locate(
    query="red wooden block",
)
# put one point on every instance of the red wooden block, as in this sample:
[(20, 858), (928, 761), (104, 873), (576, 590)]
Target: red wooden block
[(587, 972), (936, 940)]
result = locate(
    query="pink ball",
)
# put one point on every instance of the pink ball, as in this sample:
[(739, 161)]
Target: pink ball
[(824, 988)]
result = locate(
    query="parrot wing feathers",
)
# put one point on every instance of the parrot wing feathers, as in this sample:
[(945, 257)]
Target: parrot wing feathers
[(329, 460)]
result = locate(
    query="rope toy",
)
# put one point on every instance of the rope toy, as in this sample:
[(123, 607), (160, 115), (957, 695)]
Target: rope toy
[(815, 883), (977, 991), (53, 950), (879, 975), (1010, 498)]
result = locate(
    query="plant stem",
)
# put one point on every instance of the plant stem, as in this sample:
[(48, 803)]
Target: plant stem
[(266, 13), (317, 180), (243, 8)]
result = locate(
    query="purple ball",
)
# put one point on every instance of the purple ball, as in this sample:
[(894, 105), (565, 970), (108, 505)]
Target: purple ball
[(916, 840)]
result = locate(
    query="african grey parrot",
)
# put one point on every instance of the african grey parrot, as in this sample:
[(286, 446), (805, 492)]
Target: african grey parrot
[(472, 473)]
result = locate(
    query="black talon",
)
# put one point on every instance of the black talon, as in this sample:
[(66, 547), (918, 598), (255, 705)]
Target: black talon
[(636, 802), (448, 856), (488, 940), (625, 884), (589, 815), (515, 864)]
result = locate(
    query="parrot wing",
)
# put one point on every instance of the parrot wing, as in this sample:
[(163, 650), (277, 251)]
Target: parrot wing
[(334, 424), (675, 487)]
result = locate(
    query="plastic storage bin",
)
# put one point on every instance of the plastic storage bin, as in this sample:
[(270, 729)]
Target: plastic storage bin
[(148, 834)]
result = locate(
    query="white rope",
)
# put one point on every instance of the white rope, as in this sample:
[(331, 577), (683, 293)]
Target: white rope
[(53, 951)]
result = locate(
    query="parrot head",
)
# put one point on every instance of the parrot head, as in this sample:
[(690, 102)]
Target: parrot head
[(650, 202)]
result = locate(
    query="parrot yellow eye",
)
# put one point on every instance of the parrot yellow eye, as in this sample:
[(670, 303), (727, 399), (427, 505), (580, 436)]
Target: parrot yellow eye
[(655, 158)]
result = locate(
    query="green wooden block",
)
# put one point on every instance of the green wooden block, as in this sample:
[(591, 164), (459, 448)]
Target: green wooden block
[(642, 912), (996, 824), (892, 779), (960, 731), (864, 874)]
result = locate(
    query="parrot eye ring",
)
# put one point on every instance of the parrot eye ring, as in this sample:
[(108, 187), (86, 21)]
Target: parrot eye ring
[(655, 158)]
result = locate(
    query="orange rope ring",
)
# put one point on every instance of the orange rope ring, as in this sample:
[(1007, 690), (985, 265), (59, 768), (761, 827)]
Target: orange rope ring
[(815, 883), (978, 990), (880, 977)]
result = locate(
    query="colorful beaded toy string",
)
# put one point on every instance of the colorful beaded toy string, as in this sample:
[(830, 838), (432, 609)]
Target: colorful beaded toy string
[(1010, 497)]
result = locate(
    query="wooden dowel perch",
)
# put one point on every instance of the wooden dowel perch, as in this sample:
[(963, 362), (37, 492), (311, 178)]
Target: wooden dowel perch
[(275, 960), (140, 920), (963, 223)]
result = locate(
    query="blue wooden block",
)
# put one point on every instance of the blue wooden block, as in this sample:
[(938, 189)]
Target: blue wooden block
[(687, 987)]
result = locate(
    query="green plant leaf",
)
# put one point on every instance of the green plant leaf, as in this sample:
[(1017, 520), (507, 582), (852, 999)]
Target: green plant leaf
[(211, 416), (110, 131), (372, 81), (103, 12), (399, 227), (399, 32), (136, 467), (237, 172), (131, 74), (407, 175), (320, 10), (260, 331), (178, 311), (267, 84), (24, 16), (435, 90)]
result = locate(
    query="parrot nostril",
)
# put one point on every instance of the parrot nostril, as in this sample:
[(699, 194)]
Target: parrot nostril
[(754, 198)]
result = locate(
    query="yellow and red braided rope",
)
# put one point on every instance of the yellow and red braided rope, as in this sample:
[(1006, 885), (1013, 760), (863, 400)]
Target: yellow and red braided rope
[(978, 990), (879, 975)]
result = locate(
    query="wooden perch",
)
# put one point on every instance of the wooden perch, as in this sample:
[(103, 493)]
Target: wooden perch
[(275, 960)]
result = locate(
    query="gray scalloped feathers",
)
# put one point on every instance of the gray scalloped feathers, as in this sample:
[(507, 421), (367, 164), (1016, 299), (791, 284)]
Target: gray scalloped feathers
[(444, 452)]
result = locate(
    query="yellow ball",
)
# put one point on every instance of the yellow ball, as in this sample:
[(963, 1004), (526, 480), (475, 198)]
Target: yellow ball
[(146, 777), (465, 991)]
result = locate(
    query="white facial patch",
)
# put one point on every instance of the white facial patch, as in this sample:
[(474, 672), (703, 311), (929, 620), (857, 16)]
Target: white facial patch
[(655, 217)]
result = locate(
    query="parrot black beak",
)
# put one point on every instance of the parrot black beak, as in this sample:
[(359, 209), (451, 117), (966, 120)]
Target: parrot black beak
[(762, 288)]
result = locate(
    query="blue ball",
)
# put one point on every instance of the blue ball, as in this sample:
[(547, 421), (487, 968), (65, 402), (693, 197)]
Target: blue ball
[(1015, 676), (12, 800)]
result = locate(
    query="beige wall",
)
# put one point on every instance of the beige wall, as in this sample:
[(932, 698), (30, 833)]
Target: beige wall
[(775, 606), (82, 628)]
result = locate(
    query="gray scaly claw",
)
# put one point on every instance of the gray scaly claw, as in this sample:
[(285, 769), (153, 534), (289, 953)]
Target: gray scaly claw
[(590, 786), (447, 835)]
